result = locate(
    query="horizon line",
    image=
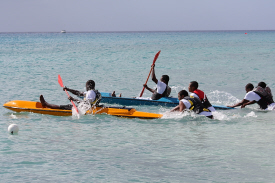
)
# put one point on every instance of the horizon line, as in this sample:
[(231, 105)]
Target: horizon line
[(134, 31)]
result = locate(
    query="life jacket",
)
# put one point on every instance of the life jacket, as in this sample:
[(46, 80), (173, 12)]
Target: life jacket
[(196, 105), (203, 98), (97, 98), (156, 95), (269, 95), (266, 97)]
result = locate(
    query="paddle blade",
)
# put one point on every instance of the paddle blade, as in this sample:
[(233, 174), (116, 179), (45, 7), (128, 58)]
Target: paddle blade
[(60, 81), (156, 57)]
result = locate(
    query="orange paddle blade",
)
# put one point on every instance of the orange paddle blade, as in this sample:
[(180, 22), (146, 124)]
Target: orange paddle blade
[(61, 84), (60, 81)]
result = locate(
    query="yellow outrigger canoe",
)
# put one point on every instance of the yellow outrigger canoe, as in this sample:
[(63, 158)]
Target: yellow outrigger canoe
[(36, 107)]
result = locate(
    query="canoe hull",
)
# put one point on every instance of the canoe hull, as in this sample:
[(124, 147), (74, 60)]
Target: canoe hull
[(36, 107), (164, 101)]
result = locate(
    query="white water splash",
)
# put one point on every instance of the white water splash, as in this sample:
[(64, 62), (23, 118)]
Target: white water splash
[(222, 98), (13, 116), (178, 115), (82, 108), (251, 114), (177, 89), (220, 116), (75, 114)]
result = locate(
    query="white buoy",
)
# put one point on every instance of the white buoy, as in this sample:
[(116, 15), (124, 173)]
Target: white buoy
[(13, 128)]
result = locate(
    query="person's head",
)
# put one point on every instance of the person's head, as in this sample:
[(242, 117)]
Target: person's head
[(90, 84), (165, 79), (249, 87), (182, 94), (262, 84), (193, 85)]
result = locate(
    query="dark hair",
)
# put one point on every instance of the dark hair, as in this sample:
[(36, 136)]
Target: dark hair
[(183, 92), (90, 84), (249, 86), (194, 84), (165, 78), (262, 84)]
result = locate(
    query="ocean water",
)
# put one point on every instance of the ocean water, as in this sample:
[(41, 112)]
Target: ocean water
[(237, 146)]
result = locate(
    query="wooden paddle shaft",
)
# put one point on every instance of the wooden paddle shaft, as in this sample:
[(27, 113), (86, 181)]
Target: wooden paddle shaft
[(155, 59)]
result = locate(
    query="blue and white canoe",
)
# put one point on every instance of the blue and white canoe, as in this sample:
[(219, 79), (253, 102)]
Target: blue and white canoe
[(164, 101)]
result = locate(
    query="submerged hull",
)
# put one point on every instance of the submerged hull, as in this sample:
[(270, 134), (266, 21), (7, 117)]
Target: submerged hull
[(36, 107), (164, 101)]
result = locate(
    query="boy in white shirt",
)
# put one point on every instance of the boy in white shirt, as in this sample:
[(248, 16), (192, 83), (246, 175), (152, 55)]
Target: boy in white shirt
[(254, 96), (163, 90), (191, 103), (91, 95)]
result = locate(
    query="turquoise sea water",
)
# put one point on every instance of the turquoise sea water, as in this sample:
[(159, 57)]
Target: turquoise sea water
[(237, 146)]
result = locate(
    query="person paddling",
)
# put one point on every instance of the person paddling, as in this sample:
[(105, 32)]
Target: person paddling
[(91, 95), (195, 92), (191, 103), (162, 90), (257, 95)]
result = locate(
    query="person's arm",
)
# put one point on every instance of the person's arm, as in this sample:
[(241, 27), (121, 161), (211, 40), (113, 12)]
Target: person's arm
[(75, 92), (248, 103), (180, 107), (73, 99), (239, 104), (175, 108), (150, 89), (154, 75)]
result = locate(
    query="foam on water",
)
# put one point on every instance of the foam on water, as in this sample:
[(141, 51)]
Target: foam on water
[(13, 116), (222, 98), (251, 114), (83, 107)]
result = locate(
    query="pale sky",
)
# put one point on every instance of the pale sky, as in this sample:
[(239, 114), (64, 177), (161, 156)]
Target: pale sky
[(135, 15)]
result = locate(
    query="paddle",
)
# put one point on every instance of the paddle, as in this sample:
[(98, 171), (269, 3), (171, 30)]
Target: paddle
[(155, 59), (61, 84)]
